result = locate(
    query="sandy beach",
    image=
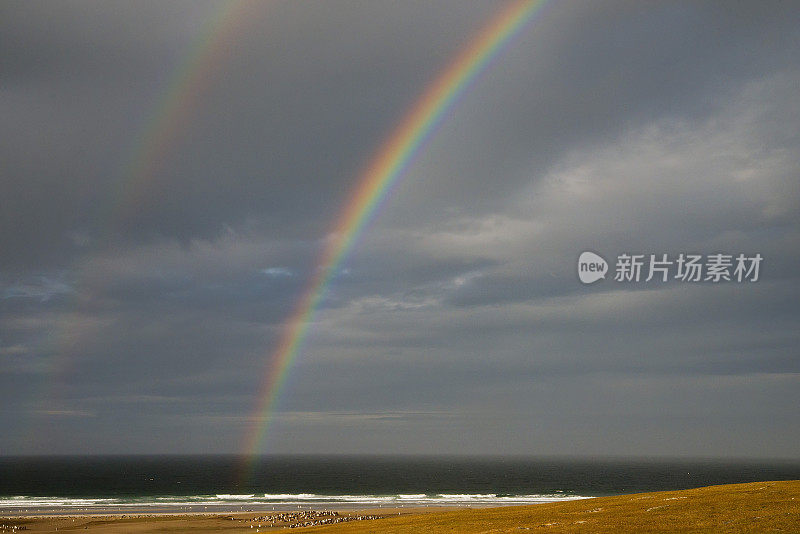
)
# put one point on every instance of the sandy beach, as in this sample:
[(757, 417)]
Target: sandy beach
[(751, 507)]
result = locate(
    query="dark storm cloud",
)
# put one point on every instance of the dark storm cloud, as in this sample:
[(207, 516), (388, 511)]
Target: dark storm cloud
[(613, 127), (286, 119), (570, 93)]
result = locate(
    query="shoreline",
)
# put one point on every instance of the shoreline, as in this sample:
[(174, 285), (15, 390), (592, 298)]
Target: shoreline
[(755, 506), (135, 515), (58, 506)]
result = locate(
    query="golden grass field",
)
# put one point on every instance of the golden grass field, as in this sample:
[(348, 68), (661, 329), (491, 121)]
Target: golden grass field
[(752, 507)]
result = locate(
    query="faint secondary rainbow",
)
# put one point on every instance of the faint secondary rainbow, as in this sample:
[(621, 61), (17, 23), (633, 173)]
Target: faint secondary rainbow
[(383, 170), (178, 103), (166, 123)]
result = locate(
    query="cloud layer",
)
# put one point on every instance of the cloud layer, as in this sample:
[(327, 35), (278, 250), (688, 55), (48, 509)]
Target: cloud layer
[(458, 324)]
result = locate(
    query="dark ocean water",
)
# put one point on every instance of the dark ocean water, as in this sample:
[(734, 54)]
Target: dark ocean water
[(126, 483)]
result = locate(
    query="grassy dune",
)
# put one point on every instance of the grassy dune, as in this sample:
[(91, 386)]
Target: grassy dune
[(754, 507)]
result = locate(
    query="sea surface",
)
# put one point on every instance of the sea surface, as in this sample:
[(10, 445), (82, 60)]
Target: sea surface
[(146, 484)]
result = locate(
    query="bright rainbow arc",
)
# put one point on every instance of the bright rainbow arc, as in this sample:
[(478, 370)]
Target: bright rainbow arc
[(388, 164)]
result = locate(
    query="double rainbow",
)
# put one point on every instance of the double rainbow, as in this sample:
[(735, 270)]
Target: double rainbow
[(384, 169)]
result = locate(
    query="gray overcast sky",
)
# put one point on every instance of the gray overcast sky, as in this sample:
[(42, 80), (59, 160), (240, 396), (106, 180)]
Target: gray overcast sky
[(142, 322)]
